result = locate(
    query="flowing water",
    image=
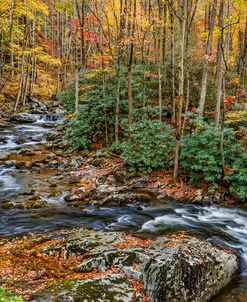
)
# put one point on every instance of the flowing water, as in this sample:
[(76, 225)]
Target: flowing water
[(226, 227)]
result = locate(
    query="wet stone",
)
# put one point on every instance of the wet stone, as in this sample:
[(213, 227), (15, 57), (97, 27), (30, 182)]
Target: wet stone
[(3, 140), (26, 152), (34, 202), (4, 155), (23, 165), (20, 140), (23, 118), (71, 198)]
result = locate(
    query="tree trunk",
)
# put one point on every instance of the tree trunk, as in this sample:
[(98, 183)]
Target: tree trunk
[(173, 98), (180, 91), (207, 57), (76, 92), (123, 11), (220, 48), (130, 92)]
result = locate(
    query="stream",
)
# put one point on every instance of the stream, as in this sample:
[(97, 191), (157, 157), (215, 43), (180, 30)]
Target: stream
[(223, 226)]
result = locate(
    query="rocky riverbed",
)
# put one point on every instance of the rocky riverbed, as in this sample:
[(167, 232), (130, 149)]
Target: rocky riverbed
[(47, 190)]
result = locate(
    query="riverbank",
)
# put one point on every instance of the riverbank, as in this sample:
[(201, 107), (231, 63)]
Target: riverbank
[(103, 175)]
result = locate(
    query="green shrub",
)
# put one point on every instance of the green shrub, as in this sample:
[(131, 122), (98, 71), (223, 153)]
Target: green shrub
[(98, 110), (150, 146), (7, 296), (78, 132), (201, 158)]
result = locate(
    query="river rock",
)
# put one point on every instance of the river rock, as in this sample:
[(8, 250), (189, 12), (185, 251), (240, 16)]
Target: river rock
[(97, 159), (126, 198), (96, 162), (76, 162), (4, 155), (35, 104), (120, 176), (52, 136), (33, 202), (23, 118), (71, 198), (49, 125), (23, 165), (3, 140), (4, 125), (20, 140), (10, 163), (26, 152), (38, 111), (176, 268)]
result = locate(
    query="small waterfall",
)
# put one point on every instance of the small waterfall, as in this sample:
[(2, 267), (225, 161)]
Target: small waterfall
[(51, 117)]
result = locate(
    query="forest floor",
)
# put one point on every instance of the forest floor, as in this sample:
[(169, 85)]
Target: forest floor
[(110, 170)]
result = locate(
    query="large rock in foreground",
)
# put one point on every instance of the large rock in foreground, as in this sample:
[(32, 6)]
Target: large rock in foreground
[(169, 269), (81, 265)]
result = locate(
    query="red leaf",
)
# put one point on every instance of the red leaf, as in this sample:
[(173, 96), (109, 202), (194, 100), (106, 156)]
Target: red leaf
[(90, 66), (228, 170)]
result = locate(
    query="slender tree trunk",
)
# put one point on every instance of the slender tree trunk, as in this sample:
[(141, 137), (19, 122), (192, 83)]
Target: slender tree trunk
[(130, 92), (229, 34), (160, 90), (219, 62), (33, 69), (22, 75), (180, 91), (21, 81), (76, 10), (12, 40), (242, 62), (173, 62), (222, 130), (123, 10), (160, 58), (25, 90), (81, 16), (76, 91), (206, 60)]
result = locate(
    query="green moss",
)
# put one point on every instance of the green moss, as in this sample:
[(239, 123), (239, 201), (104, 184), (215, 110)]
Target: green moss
[(8, 296), (107, 288)]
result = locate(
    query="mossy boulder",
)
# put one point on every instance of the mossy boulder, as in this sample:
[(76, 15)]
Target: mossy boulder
[(171, 269), (111, 266)]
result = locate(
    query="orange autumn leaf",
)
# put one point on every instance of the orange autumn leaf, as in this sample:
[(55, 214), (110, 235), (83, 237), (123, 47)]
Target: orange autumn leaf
[(236, 80), (153, 76), (229, 100)]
